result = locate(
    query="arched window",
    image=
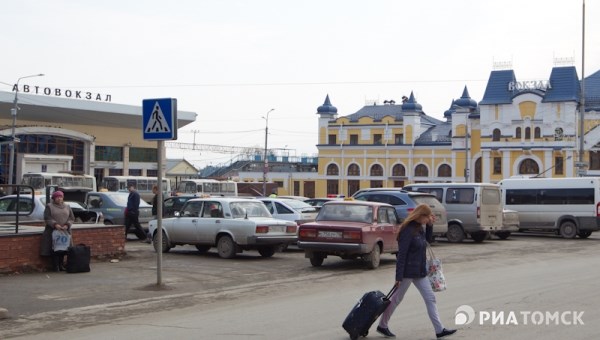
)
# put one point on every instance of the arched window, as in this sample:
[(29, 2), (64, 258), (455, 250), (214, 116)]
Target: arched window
[(398, 170), (421, 171), (529, 167), (496, 135), (444, 171), (518, 133), (537, 133), (478, 171), (376, 170), (353, 170), (527, 133), (333, 170)]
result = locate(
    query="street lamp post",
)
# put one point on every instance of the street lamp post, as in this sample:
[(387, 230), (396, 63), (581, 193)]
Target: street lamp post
[(266, 161), (13, 112)]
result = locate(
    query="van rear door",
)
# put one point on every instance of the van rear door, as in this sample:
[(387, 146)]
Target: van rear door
[(490, 208)]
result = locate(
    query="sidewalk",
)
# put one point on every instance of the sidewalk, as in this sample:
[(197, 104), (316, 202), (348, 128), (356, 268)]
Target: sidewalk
[(32, 293)]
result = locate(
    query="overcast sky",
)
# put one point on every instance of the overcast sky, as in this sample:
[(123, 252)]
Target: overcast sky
[(233, 61)]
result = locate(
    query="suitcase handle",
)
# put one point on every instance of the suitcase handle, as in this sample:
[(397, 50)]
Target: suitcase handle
[(389, 295)]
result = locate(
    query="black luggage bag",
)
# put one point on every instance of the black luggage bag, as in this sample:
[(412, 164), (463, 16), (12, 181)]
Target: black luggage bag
[(365, 312), (78, 259)]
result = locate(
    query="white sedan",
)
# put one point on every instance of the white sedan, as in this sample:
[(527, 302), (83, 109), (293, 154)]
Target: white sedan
[(28, 210), (230, 224)]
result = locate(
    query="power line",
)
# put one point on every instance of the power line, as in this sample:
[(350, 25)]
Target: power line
[(427, 81)]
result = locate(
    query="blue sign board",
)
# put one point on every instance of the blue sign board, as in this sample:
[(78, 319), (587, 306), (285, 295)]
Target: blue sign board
[(159, 119)]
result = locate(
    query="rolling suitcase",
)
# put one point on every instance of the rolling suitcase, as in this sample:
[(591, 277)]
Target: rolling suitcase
[(78, 259), (365, 312)]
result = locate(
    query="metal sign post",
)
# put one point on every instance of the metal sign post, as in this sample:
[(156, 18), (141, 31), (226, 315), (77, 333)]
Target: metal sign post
[(159, 123)]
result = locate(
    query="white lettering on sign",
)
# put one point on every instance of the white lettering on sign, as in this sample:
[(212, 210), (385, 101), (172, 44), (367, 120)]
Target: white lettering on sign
[(529, 85)]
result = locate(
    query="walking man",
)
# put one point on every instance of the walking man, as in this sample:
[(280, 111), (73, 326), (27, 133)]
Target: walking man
[(132, 213)]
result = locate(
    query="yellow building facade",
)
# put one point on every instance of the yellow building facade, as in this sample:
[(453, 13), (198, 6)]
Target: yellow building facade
[(519, 128)]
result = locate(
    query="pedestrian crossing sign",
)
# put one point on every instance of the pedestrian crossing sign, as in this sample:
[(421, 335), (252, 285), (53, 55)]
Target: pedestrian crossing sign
[(159, 119)]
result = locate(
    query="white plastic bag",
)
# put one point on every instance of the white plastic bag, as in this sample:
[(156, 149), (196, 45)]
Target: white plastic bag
[(61, 240)]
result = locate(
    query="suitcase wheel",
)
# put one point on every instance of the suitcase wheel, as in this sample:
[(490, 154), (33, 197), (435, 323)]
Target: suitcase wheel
[(366, 333)]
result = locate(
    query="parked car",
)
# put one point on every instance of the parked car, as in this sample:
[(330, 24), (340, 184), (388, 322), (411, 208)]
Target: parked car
[(112, 206), (175, 203), (350, 230), (510, 223), (405, 201), (80, 211), (35, 211), (290, 209), (28, 210), (231, 224)]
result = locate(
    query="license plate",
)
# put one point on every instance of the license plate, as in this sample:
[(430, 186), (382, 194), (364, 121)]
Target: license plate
[(330, 234), (276, 228)]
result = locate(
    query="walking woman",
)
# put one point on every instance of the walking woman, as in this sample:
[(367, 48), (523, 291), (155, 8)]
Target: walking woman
[(58, 216), (411, 268)]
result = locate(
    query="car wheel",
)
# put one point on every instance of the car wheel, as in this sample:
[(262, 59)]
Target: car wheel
[(568, 229), (226, 247), (584, 234), (266, 251), (479, 236), (202, 249), (455, 234), (164, 247), (374, 257), (317, 260), (503, 235)]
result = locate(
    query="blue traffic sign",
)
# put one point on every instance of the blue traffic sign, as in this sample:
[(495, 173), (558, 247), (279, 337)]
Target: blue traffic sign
[(159, 119)]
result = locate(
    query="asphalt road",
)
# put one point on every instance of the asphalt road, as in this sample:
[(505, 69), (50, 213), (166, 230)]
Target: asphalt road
[(283, 297)]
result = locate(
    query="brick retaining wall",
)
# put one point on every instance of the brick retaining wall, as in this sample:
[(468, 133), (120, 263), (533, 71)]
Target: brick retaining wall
[(21, 252)]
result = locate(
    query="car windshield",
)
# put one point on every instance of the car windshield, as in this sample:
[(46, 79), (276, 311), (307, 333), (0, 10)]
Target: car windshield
[(252, 209), (346, 212), (298, 205)]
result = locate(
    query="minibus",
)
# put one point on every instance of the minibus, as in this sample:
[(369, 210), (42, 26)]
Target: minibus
[(567, 206), (473, 209)]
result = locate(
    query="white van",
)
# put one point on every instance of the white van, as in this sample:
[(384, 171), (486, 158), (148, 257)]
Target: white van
[(473, 209), (568, 206)]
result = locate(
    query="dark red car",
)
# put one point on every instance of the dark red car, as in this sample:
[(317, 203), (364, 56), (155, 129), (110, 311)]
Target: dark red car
[(350, 230)]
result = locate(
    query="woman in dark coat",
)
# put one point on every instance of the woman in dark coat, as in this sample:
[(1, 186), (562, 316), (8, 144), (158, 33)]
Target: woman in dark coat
[(58, 216), (411, 267)]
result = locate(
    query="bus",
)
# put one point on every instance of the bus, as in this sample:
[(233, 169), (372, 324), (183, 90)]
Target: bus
[(210, 187), (142, 184), (40, 180), (567, 206)]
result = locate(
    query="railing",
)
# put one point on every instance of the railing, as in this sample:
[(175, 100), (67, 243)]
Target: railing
[(19, 189)]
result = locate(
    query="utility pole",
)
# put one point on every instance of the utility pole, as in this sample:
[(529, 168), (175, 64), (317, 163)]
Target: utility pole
[(266, 161)]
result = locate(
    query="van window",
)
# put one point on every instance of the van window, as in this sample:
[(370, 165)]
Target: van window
[(460, 195), (550, 196), (490, 196)]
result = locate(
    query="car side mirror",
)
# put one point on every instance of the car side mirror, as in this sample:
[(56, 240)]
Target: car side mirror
[(176, 213)]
